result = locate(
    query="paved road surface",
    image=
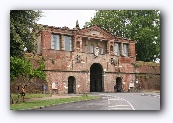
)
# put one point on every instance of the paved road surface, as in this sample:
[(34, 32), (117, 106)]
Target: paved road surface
[(114, 101)]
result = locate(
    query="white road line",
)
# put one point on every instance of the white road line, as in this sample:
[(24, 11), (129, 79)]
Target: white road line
[(118, 98), (130, 104), (114, 99), (119, 108), (117, 105), (104, 97)]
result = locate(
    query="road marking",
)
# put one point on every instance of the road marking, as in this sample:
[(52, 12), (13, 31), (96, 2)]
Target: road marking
[(119, 108), (114, 99), (114, 107), (104, 97), (130, 104), (117, 105)]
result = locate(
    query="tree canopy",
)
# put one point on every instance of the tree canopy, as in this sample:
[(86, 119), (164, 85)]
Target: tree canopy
[(20, 67), (23, 34), (140, 25), (23, 26)]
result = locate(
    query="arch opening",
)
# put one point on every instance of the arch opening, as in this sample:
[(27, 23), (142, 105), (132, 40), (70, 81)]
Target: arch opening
[(96, 78), (71, 84), (119, 84)]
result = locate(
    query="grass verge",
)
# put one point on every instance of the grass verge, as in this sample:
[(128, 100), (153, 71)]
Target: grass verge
[(28, 95), (40, 103)]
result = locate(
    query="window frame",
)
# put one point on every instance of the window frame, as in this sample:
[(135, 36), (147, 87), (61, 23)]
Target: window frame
[(55, 41), (91, 49), (101, 52), (70, 43), (117, 51), (125, 49)]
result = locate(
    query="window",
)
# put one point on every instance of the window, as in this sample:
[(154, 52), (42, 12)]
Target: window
[(111, 48), (55, 42), (78, 44), (83, 48), (68, 43), (101, 51), (117, 49), (125, 49), (91, 49)]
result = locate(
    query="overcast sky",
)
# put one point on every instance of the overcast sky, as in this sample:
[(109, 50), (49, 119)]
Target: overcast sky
[(61, 18)]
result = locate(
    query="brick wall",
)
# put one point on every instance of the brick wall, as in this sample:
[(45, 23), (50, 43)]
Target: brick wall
[(36, 84), (148, 74), (60, 64)]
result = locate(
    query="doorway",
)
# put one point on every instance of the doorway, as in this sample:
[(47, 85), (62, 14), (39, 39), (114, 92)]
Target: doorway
[(96, 78), (119, 84), (71, 84)]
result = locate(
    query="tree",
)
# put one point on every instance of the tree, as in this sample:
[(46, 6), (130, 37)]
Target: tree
[(140, 25), (20, 67), (23, 32)]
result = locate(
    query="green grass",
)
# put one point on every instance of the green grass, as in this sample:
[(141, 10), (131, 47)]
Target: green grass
[(16, 97), (40, 103)]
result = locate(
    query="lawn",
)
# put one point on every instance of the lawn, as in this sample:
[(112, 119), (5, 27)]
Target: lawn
[(40, 103)]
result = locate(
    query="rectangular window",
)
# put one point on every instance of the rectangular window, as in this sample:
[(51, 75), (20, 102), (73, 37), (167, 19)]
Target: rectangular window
[(101, 51), (91, 49), (68, 43), (125, 49), (83, 48), (117, 49), (55, 42)]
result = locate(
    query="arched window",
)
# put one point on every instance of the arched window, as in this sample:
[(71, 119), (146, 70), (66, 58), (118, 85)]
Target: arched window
[(111, 48), (78, 44)]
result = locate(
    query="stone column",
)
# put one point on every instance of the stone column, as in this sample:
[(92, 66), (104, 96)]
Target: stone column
[(62, 42)]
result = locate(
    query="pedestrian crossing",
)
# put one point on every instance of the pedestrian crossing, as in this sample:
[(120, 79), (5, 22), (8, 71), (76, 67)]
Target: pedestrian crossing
[(117, 103)]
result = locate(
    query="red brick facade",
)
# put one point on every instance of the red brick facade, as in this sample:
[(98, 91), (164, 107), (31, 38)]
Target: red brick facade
[(82, 70)]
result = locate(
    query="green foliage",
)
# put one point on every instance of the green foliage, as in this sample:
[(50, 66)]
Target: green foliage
[(23, 31), (18, 67), (140, 25), (22, 67), (149, 64)]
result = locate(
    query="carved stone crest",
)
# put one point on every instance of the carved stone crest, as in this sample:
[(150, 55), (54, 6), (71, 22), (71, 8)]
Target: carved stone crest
[(96, 51)]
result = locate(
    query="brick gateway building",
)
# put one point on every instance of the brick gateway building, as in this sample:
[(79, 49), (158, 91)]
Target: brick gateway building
[(86, 60)]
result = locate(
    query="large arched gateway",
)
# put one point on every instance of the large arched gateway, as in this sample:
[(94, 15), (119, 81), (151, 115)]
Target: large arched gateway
[(96, 78)]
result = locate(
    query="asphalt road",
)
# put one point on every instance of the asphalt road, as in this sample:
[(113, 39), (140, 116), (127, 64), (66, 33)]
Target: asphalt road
[(114, 101)]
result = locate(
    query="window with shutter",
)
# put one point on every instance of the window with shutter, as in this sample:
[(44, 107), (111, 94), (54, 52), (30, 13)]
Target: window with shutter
[(117, 49), (68, 43), (83, 48), (91, 49), (125, 49), (101, 51), (55, 42)]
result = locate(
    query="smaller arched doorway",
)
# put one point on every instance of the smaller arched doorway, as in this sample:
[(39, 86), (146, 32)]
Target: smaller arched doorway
[(119, 84), (71, 84)]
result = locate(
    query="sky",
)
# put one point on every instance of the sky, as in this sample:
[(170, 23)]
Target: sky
[(61, 18)]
